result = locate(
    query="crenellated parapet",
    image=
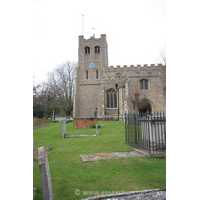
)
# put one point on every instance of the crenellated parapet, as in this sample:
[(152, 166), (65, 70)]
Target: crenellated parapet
[(130, 67), (123, 71), (81, 38)]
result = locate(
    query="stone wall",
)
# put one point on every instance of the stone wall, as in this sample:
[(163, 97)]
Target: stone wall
[(88, 99)]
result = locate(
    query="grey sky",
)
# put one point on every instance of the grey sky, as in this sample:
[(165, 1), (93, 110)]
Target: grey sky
[(135, 31)]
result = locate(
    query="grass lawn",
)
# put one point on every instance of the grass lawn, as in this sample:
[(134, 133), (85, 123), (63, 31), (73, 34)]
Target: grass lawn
[(68, 172)]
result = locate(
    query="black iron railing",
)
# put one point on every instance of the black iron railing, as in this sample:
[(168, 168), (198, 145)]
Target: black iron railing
[(146, 132)]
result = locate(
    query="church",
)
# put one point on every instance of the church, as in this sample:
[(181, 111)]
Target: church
[(106, 91)]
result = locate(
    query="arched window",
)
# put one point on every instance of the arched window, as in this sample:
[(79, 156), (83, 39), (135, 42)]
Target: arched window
[(97, 53), (86, 74), (144, 84), (87, 50), (97, 49), (111, 98), (87, 53)]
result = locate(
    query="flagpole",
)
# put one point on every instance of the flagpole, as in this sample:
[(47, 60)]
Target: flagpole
[(93, 32), (83, 26)]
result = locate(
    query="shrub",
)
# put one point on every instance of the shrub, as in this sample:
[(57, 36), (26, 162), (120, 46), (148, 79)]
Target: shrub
[(91, 118), (37, 122), (94, 126)]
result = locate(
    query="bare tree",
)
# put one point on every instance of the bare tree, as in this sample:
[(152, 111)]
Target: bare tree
[(162, 55), (43, 97), (61, 82)]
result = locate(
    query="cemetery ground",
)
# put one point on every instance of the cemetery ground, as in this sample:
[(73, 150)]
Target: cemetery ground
[(70, 174)]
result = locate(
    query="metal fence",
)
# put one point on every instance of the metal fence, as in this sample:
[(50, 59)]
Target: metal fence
[(146, 132)]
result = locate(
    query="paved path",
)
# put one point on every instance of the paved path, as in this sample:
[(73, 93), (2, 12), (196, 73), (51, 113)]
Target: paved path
[(100, 156)]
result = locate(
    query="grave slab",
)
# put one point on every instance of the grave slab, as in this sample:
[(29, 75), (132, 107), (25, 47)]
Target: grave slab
[(78, 136), (101, 156)]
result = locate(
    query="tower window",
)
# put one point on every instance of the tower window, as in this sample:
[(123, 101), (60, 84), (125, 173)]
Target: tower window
[(111, 98), (97, 53), (87, 74), (97, 74), (144, 84), (87, 50), (97, 49), (87, 53)]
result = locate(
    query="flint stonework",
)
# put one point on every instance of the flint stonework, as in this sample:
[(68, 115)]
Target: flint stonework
[(45, 174)]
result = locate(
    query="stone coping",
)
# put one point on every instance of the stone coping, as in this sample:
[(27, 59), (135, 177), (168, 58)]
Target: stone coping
[(153, 194)]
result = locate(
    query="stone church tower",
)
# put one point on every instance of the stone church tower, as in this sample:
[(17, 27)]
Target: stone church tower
[(92, 57), (95, 93)]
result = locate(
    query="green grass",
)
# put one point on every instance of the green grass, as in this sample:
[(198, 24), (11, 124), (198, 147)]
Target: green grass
[(68, 172)]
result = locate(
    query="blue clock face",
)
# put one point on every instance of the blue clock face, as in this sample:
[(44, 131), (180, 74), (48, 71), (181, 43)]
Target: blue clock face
[(92, 65)]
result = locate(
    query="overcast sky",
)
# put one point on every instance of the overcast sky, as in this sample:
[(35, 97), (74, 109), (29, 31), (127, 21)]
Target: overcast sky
[(135, 31)]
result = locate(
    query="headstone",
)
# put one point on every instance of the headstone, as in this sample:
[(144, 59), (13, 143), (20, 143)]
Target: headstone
[(63, 128), (45, 174), (97, 131)]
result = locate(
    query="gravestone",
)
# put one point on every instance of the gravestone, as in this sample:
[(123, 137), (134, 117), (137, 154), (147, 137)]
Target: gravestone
[(45, 174), (97, 131), (63, 128)]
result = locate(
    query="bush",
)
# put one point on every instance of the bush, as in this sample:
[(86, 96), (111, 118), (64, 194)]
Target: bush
[(55, 121), (37, 122), (94, 126)]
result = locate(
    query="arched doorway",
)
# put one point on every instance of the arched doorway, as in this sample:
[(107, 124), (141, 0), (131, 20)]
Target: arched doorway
[(144, 106)]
